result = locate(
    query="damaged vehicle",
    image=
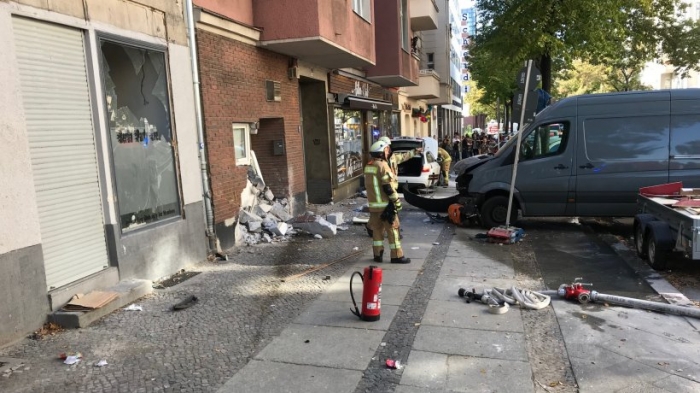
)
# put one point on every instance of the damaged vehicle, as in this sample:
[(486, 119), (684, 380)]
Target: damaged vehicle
[(421, 171), (587, 156)]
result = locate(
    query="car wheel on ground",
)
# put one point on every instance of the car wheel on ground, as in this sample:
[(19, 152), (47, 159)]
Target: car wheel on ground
[(494, 211)]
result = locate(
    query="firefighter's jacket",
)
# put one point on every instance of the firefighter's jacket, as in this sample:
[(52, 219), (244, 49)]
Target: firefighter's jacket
[(444, 155), (378, 174), (397, 158)]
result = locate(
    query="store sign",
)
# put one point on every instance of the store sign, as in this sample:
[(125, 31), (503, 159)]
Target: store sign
[(361, 89)]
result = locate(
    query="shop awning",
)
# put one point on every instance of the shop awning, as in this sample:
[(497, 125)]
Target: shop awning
[(369, 104)]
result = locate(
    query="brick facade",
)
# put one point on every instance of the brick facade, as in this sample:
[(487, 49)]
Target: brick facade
[(233, 76)]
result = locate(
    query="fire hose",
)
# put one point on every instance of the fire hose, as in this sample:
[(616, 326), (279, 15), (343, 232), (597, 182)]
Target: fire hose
[(498, 299), (682, 311)]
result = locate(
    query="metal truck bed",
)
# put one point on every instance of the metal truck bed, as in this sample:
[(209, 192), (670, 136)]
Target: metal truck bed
[(684, 223)]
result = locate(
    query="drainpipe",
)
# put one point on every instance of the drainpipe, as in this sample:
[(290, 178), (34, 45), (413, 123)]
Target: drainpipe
[(208, 212)]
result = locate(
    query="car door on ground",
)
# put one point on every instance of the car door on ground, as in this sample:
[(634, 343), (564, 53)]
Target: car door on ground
[(545, 168)]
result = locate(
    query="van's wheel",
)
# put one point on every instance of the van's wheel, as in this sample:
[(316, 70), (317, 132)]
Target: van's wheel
[(640, 225), (494, 211), (659, 242)]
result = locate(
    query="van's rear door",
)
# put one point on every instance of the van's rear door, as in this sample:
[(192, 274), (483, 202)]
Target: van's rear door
[(623, 145)]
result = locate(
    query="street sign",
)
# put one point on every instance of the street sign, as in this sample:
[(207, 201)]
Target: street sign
[(530, 109), (535, 78)]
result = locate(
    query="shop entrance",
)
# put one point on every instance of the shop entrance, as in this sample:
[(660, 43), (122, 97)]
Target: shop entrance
[(314, 115)]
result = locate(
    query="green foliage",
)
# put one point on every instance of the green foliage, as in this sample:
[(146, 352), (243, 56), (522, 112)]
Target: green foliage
[(619, 35), (586, 78), (477, 104)]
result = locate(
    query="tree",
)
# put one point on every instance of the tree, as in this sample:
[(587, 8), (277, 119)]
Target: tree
[(622, 34), (475, 99), (586, 78)]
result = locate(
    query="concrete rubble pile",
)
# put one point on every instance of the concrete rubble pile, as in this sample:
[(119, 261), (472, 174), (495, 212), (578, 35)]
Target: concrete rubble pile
[(266, 219)]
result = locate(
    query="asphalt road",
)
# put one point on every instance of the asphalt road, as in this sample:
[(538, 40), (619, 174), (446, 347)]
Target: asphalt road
[(569, 248), (566, 250)]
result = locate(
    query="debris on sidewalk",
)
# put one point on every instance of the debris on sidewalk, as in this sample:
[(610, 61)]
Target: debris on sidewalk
[(394, 364), (315, 225), (71, 358), (187, 303), (133, 307), (101, 363), (360, 220), (505, 235), (264, 217), (49, 329), (91, 301)]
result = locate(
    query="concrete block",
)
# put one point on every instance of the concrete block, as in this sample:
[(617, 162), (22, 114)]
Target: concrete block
[(244, 216), (129, 291), (269, 195), (257, 210), (269, 222), (315, 225), (254, 226), (265, 207), (280, 229), (335, 218), (280, 212)]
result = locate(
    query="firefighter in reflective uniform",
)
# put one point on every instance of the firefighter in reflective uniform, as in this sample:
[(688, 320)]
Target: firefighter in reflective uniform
[(395, 158), (445, 159), (384, 204)]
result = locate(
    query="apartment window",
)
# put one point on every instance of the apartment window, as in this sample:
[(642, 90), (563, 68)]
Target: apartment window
[(241, 143), (138, 110), (404, 24), (431, 61), (362, 8)]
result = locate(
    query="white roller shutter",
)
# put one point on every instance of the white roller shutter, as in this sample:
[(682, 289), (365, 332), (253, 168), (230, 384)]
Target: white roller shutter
[(56, 103)]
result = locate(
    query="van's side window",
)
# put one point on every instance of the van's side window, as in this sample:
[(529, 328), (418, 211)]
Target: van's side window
[(685, 135), (624, 138), (546, 140)]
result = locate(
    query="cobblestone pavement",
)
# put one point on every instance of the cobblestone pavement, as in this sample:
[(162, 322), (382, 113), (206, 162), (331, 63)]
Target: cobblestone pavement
[(243, 304)]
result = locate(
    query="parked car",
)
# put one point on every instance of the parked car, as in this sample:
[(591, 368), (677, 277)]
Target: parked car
[(421, 171), (589, 155)]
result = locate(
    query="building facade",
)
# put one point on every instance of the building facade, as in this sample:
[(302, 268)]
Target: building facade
[(468, 23), (100, 179), (442, 60)]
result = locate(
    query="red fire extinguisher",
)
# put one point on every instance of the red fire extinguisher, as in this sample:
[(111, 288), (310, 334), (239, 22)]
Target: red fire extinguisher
[(371, 294)]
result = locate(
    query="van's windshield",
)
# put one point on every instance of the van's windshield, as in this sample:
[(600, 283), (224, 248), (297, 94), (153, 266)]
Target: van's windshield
[(507, 145)]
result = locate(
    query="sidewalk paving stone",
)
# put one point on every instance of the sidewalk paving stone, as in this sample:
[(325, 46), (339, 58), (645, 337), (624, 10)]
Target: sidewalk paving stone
[(477, 375), (471, 342), (476, 268), (426, 370), (328, 346), (471, 316), (340, 292), (264, 377), (323, 313)]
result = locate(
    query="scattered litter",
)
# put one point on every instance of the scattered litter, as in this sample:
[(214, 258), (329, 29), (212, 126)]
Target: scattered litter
[(394, 364), (426, 220), (383, 344), (416, 324), (187, 303), (91, 301), (326, 278), (71, 357), (355, 248), (317, 236), (101, 363), (498, 347), (360, 220), (307, 341), (436, 244), (415, 248), (133, 307)]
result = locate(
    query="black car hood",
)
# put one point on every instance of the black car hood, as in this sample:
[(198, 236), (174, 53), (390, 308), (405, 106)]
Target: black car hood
[(470, 163)]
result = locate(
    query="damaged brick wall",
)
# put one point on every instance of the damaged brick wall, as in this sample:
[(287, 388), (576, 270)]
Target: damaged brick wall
[(233, 76)]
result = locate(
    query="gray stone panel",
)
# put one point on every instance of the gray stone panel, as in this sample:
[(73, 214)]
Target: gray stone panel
[(475, 375), (24, 303), (469, 342), (266, 377), (327, 347), (162, 249), (472, 316), (339, 291), (322, 313), (426, 370)]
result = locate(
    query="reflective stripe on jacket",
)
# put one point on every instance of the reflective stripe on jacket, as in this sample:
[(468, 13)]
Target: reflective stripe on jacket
[(378, 173)]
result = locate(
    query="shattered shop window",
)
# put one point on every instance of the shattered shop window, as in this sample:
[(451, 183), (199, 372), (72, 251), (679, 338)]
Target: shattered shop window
[(141, 139)]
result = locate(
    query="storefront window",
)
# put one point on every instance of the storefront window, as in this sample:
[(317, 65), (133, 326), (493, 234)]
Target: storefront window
[(138, 109), (348, 143), (394, 125)]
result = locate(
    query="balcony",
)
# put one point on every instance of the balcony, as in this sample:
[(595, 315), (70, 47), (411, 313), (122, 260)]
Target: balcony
[(327, 33), (424, 15), (428, 86), (444, 96)]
